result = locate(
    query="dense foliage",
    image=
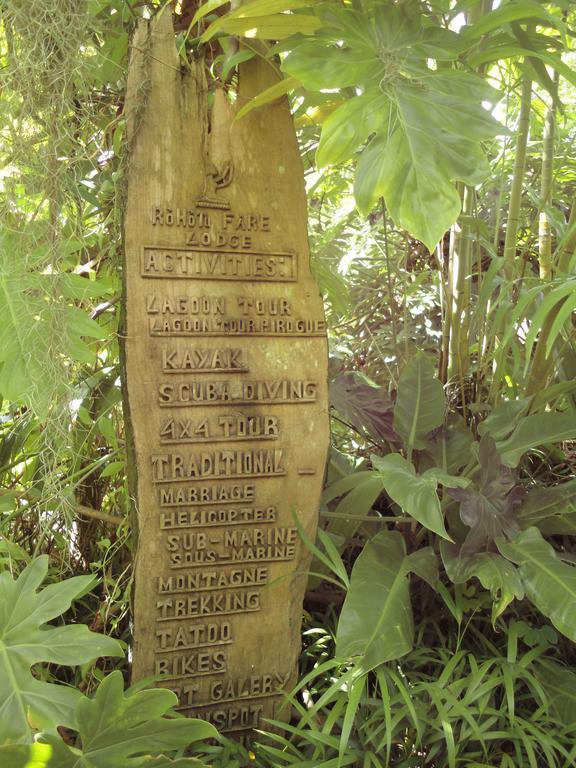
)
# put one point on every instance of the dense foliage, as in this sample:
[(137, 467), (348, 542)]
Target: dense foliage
[(440, 620)]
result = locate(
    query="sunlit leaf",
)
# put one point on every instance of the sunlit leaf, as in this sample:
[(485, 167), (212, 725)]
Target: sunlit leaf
[(26, 639), (420, 402), (550, 584), (415, 494)]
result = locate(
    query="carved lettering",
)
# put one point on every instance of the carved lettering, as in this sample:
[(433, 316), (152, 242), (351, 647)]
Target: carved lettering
[(185, 305), (194, 360), (192, 664), (185, 518), (238, 392), (206, 580), (237, 717), (236, 326), (210, 604), (178, 467), (226, 381), (203, 262), (212, 494), (247, 687), (186, 636)]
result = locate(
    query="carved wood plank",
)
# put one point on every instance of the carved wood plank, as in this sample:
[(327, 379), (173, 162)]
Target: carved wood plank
[(225, 377)]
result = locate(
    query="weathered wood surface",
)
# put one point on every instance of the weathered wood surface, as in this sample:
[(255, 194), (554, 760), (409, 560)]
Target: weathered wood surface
[(226, 367)]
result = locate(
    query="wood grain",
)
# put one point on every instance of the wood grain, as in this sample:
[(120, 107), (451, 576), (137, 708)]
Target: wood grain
[(225, 365)]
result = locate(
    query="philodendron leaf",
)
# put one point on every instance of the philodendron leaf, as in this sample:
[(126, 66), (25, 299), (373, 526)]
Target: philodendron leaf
[(487, 507), (449, 448), (503, 418), (376, 622), (552, 510), (26, 639), (493, 571), (416, 494), (420, 402), (129, 730), (365, 405), (117, 729), (550, 584), (533, 431)]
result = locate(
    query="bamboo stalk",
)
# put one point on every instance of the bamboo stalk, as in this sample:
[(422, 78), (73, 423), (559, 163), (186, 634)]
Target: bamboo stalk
[(460, 256), (546, 181), (567, 248), (514, 206)]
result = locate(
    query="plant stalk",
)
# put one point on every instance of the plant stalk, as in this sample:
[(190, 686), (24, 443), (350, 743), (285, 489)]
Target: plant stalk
[(546, 181), (514, 205)]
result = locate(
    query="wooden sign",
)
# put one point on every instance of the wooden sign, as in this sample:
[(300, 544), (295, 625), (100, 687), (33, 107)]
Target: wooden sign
[(225, 381)]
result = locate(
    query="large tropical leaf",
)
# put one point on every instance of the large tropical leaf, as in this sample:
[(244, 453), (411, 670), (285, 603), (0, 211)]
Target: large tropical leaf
[(26, 639), (376, 622), (550, 584), (533, 431), (493, 571), (415, 494), (265, 19), (429, 122), (488, 506), (119, 730), (449, 447), (420, 402), (553, 510), (319, 67), (365, 405), (360, 490), (348, 127)]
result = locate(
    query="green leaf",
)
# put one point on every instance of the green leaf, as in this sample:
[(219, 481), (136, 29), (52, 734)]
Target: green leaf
[(117, 729), (349, 126), (319, 67), (533, 431), (530, 10), (207, 7), (553, 510), (26, 639), (126, 730), (450, 447), (270, 94), (413, 169), (376, 622), (500, 52), (550, 584), (443, 478), (370, 175), (244, 54), (264, 19), (560, 296), (420, 402), (114, 468), (503, 418), (487, 507), (424, 564), (13, 551), (416, 494), (495, 573)]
